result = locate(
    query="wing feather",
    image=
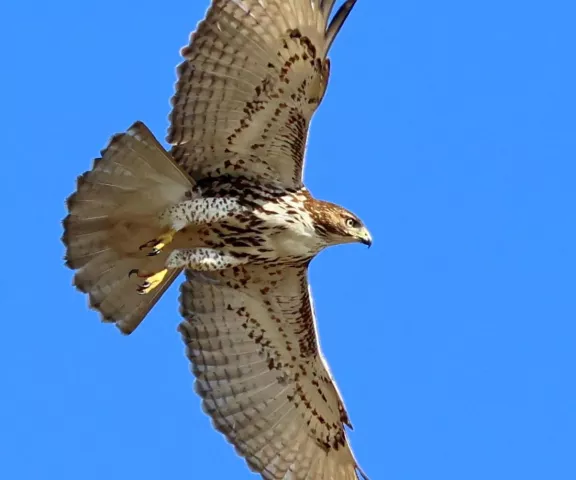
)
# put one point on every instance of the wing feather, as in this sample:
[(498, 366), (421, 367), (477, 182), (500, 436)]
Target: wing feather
[(253, 75), (251, 338)]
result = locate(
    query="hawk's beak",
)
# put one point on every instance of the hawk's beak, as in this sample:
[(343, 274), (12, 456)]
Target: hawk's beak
[(365, 237)]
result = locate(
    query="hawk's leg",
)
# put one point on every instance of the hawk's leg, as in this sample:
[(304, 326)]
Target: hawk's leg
[(200, 211), (157, 244), (202, 259), (199, 259)]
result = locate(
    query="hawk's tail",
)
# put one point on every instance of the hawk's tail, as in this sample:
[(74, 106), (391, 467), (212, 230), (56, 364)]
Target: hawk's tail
[(114, 211)]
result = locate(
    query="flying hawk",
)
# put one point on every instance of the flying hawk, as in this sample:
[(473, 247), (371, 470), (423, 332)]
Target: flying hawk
[(228, 207)]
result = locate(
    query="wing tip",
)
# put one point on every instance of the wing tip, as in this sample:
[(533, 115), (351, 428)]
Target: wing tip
[(361, 472), (337, 22)]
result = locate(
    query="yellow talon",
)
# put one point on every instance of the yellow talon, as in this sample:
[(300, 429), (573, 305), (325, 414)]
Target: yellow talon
[(156, 245), (151, 281)]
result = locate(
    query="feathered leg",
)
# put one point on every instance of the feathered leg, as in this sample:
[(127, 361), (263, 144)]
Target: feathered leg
[(199, 211), (199, 259), (202, 259)]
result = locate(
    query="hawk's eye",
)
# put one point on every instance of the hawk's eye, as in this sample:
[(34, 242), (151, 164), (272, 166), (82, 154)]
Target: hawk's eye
[(352, 223)]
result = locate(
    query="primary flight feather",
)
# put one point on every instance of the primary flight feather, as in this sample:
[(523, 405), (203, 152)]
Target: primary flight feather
[(227, 205)]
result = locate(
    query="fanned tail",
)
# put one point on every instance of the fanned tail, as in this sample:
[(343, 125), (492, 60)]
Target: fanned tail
[(112, 213)]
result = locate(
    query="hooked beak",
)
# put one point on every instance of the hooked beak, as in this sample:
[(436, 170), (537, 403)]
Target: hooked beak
[(365, 237)]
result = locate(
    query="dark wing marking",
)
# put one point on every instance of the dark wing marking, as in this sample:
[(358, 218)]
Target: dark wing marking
[(253, 75), (251, 338)]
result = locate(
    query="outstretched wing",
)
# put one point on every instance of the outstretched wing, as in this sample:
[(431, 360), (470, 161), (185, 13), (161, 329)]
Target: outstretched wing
[(253, 75), (251, 338)]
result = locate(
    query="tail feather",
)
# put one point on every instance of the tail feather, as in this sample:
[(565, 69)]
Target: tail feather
[(85, 239), (113, 293), (112, 212)]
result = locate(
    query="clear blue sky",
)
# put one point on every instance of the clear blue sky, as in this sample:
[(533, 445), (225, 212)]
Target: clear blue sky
[(448, 126)]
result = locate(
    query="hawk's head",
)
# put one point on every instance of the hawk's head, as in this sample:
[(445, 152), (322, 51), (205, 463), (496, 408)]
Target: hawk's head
[(338, 225)]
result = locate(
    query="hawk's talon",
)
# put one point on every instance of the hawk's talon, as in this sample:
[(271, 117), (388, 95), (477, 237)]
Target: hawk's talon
[(151, 280), (157, 244)]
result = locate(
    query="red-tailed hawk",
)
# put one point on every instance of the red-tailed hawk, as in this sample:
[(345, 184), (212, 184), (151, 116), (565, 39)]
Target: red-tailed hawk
[(228, 207)]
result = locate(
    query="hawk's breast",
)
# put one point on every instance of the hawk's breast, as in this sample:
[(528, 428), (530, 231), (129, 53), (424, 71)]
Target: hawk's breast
[(289, 227), (273, 224)]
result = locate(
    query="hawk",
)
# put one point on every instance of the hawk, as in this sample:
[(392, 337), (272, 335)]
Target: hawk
[(227, 206)]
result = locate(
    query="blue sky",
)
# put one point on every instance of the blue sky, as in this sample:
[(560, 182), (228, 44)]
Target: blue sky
[(449, 127)]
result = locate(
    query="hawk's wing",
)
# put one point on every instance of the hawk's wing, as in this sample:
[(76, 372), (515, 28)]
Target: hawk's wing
[(253, 75), (251, 338)]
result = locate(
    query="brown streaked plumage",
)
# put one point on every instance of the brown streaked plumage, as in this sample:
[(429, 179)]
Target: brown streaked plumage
[(227, 205)]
